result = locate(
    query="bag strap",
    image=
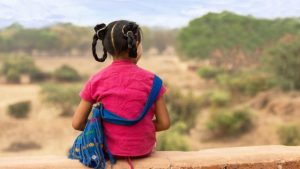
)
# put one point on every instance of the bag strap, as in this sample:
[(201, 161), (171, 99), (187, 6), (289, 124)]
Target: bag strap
[(113, 118)]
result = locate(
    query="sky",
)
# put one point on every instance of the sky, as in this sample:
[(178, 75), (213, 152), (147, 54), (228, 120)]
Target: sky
[(161, 13)]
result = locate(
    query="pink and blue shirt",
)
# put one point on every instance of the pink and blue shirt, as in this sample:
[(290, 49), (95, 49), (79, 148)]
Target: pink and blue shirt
[(123, 88)]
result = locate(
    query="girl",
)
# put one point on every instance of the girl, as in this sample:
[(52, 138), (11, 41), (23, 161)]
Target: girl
[(123, 88)]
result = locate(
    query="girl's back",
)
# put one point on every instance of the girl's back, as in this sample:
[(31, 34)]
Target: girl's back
[(123, 88)]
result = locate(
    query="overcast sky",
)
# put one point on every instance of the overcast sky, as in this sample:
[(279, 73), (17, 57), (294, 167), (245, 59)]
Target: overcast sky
[(163, 13)]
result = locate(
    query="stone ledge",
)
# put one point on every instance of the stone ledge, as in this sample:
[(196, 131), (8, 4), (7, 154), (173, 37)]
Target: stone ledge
[(255, 157)]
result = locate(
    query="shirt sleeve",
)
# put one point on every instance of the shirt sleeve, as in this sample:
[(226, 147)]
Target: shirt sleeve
[(86, 92), (161, 92)]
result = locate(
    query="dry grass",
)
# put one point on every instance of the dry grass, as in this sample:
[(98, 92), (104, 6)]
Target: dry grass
[(45, 127), (55, 135)]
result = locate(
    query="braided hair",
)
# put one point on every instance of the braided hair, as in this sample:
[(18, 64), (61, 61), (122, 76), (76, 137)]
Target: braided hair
[(117, 37)]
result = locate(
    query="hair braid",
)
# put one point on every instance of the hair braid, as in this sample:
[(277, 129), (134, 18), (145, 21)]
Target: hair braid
[(100, 31), (130, 33)]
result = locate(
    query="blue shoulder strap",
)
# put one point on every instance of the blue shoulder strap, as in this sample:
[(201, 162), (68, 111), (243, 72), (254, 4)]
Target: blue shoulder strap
[(113, 118)]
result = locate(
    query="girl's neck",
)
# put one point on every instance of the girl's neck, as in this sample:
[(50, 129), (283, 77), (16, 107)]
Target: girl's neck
[(116, 59)]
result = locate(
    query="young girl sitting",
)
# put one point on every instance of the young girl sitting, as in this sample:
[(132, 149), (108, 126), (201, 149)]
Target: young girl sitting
[(123, 88)]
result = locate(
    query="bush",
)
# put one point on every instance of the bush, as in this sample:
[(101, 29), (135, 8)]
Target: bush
[(248, 83), (230, 122), (20, 109), (66, 73), (209, 72), (37, 75), (289, 135), (14, 66), (63, 96), (22, 64), (282, 60), (22, 146), (173, 139), (13, 76), (183, 107), (219, 98)]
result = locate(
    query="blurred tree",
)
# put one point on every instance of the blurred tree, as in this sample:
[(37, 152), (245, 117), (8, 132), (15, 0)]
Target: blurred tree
[(64, 38), (225, 31), (282, 60), (158, 38)]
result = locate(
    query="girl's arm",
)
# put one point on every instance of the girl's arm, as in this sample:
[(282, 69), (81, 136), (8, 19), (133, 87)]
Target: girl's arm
[(81, 115), (162, 120)]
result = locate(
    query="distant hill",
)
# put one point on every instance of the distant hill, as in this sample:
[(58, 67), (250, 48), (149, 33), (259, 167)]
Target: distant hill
[(214, 31), (53, 39), (65, 38), (225, 31)]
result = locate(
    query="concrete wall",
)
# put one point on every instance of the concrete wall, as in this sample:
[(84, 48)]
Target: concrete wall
[(256, 157)]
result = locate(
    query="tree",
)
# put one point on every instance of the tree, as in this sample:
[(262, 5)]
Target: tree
[(225, 31), (282, 60)]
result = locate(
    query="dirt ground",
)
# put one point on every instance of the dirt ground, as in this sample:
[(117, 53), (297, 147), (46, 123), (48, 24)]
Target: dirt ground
[(48, 133)]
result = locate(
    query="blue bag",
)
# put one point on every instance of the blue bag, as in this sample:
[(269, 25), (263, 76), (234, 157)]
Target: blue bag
[(90, 146)]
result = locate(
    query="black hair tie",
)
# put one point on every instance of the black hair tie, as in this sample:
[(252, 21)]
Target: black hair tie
[(100, 31), (130, 33)]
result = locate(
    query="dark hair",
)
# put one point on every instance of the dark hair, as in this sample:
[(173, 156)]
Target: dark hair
[(116, 37)]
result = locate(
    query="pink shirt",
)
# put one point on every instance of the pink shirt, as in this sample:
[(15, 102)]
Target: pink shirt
[(123, 88)]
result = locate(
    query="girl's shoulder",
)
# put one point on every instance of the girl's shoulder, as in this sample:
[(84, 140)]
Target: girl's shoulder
[(98, 75), (147, 75), (145, 71)]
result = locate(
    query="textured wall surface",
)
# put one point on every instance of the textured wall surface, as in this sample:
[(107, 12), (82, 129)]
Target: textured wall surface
[(255, 157)]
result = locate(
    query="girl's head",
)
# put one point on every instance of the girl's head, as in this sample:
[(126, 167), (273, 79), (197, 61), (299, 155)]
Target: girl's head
[(121, 39)]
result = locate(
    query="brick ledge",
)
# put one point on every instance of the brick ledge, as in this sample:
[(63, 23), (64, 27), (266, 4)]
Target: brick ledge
[(253, 157)]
